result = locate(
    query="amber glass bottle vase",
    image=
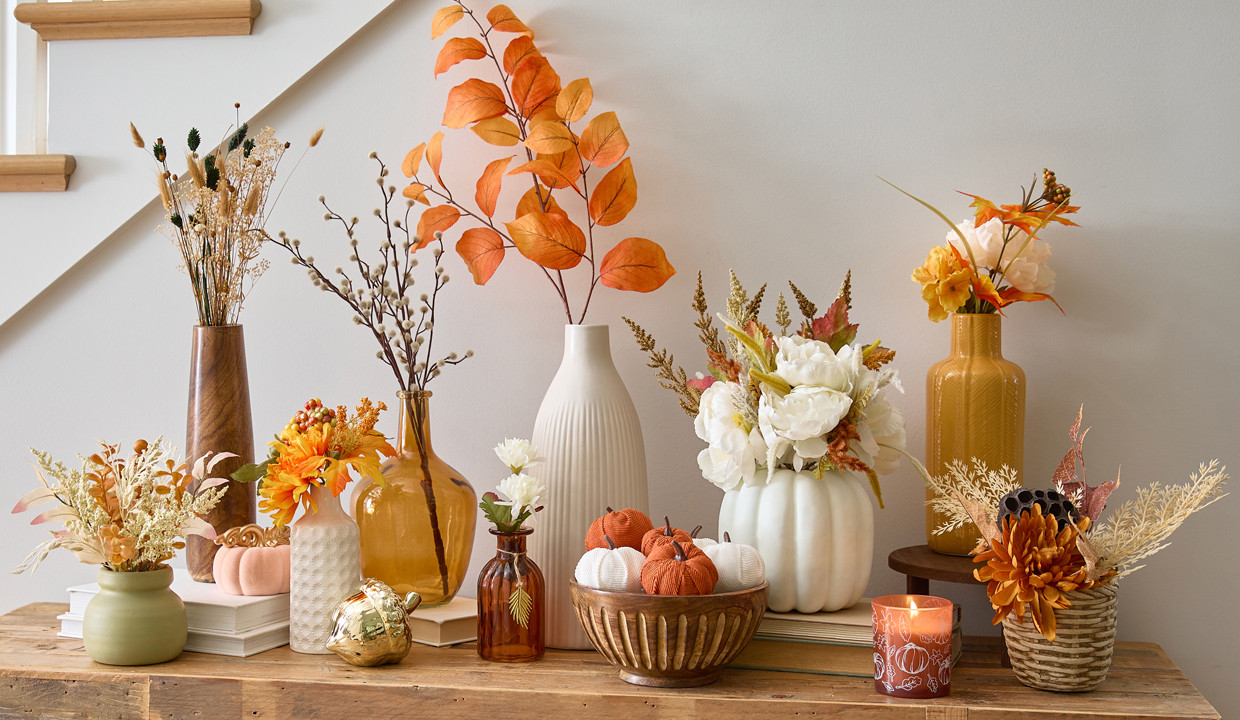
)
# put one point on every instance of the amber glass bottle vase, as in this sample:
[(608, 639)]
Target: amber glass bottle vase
[(975, 408), (510, 602), (417, 530)]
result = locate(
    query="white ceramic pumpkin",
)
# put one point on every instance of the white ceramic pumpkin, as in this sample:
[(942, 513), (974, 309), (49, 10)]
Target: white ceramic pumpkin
[(615, 569), (816, 536), (740, 566)]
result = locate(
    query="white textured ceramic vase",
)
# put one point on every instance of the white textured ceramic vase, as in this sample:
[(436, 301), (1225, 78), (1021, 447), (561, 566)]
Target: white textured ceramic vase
[(325, 568), (587, 428), (816, 536)]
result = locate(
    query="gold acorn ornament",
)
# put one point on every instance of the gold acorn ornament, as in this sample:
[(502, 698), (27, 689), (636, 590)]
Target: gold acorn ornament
[(372, 627)]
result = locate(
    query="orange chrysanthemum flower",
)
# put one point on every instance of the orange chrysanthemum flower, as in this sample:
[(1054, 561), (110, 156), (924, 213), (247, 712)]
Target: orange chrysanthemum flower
[(1032, 564), (322, 455)]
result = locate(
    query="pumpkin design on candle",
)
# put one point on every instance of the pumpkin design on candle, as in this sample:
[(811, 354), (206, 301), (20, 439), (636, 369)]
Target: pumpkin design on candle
[(675, 569), (912, 645), (740, 566), (661, 537), (611, 568), (626, 528)]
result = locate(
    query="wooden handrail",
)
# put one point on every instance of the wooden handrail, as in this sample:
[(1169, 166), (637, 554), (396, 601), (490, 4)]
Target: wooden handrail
[(109, 19), (30, 173)]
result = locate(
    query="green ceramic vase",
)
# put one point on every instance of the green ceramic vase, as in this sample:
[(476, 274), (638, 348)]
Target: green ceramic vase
[(135, 619)]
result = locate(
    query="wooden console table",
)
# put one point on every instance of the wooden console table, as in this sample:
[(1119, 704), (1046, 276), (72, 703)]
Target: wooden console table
[(42, 675)]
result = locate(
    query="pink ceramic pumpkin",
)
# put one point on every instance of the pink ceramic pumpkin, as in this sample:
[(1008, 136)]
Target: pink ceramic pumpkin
[(261, 569)]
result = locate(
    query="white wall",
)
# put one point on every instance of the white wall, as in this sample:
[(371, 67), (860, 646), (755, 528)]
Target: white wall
[(756, 135)]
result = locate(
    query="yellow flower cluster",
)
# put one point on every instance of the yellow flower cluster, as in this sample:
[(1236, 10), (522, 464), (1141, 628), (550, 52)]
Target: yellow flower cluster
[(946, 282)]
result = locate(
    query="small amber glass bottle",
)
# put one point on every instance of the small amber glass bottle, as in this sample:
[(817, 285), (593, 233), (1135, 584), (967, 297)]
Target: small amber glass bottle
[(510, 602)]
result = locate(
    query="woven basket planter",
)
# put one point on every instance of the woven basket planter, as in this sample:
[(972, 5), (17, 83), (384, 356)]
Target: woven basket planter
[(1080, 655)]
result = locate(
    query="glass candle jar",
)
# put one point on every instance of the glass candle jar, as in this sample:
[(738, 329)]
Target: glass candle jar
[(912, 646)]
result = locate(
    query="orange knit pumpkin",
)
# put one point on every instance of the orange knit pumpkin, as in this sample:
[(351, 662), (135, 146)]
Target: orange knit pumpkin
[(675, 569), (626, 528), (660, 537)]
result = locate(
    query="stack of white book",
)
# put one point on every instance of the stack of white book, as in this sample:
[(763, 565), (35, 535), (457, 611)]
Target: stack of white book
[(219, 623)]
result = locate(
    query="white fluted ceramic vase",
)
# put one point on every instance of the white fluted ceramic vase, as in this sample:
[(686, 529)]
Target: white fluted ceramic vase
[(588, 430), (325, 568), (816, 536)]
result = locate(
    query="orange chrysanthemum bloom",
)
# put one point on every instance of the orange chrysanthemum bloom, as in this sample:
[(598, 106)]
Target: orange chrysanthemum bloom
[(1033, 564), (322, 455)]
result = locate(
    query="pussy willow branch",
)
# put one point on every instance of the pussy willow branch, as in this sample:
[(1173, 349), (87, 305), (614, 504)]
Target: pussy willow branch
[(382, 293)]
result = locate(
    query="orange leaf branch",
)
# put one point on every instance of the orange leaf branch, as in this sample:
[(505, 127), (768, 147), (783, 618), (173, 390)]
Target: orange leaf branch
[(530, 106)]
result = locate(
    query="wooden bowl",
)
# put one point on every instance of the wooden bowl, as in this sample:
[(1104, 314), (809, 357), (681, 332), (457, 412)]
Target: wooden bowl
[(669, 640)]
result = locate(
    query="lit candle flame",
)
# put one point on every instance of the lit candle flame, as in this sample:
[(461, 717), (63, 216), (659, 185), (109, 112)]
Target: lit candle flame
[(913, 603)]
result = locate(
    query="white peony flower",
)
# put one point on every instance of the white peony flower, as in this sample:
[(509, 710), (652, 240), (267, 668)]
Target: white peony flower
[(882, 423), (1027, 273), (799, 420), (523, 491), (735, 446), (728, 471), (518, 454), (802, 361)]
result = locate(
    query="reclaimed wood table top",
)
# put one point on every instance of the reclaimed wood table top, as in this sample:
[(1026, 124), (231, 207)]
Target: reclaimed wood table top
[(42, 675)]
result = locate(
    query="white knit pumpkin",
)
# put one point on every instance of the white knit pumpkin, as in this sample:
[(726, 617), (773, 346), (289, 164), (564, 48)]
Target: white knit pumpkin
[(740, 566), (704, 543), (614, 570)]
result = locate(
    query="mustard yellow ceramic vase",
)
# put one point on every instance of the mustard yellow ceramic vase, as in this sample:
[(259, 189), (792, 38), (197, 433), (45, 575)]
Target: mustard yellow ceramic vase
[(975, 408), (418, 529)]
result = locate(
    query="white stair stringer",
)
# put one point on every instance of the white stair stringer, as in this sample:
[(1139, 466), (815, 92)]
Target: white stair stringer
[(97, 87)]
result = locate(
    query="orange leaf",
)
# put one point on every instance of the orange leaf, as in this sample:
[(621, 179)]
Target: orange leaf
[(473, 100), (569, 165), (532, 202), (548, 171), (1010, 295), (550, 240), (635, 264), (517, 51), (434, 154), (546, 112), (416, 191), (413, 161), (489, 184), (438, 218), (505, 20), (456, 50), (445, 18), (615, 195), (574, 101), (497, 131), (549, 138), (482, 249), (533, 82), (603, 142)]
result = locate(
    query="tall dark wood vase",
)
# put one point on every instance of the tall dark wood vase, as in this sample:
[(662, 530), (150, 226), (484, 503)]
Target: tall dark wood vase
[(219, 421)]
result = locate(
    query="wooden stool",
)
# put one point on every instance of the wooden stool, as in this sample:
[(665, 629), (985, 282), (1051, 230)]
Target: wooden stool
[(919, 564)]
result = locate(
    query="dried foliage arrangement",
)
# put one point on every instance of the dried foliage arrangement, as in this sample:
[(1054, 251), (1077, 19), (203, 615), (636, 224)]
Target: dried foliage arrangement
[(997, 259), (126, 514), (1031, 557), (216, 212), (811, 399), (529, 107), (317, 448)]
